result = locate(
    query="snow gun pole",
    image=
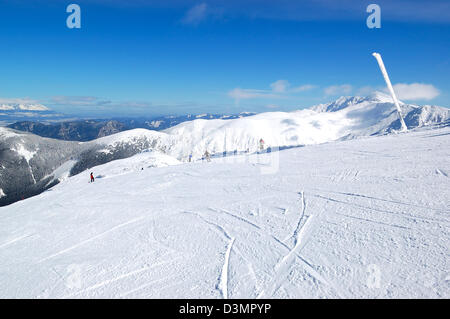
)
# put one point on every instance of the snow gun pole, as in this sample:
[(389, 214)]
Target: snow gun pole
[(390, 88)]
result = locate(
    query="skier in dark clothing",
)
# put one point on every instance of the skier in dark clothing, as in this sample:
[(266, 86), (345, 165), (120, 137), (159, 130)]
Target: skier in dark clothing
[(207, 156), (92, 177)]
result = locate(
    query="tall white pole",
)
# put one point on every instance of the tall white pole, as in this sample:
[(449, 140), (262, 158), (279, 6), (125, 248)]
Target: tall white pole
[(390, 88)]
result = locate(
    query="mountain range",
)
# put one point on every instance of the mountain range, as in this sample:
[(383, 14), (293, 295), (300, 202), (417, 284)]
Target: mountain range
[(90, 129), (30, 164)]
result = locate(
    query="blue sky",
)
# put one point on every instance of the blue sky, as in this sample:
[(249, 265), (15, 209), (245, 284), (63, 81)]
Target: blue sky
[(174, 57)]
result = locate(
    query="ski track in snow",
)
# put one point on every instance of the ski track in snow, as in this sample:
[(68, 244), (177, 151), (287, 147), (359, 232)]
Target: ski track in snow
[(215, 231), (216, 226), (441, 172), (223, 280), (281, 271), (229, 239), (256, 227), (123, 276), (91, 239), (281, 268), (151, 283), (223, 211), (403, 215), (300, 220), (386, 200), (12, 241)]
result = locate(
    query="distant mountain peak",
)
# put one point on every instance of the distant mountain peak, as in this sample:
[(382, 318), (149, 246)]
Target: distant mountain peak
[(343, 102), (339, 104), (381, 97)]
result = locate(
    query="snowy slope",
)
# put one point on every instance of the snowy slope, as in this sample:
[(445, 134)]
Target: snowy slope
[(376, 114), (361, 218), (37, 158), (28, 163), (347, 117), (136, 163)]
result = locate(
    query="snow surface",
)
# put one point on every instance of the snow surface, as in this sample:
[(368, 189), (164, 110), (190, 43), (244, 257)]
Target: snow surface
[(358, 218), (345, 118), (22, 151), (7, 133), (62, 172), (135, 163)]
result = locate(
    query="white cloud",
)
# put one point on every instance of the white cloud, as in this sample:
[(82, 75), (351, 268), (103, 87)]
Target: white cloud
[(283, 86), (338, 89), (280, 86), (78, 100), (24, 100), (416, 91), (367, 90), (279, 89), (96, 103), (404, 91), (196, 14), (303, 88), (240, 94)]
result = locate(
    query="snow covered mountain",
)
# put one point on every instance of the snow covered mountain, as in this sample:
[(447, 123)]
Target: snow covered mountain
[(30, 164), (87, 130), (361, 218), (80, 130), (376, 114), (28, 161), (348, 117)]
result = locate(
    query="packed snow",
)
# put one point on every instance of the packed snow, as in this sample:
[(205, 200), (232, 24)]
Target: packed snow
[(139, 162), (361, 218)]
